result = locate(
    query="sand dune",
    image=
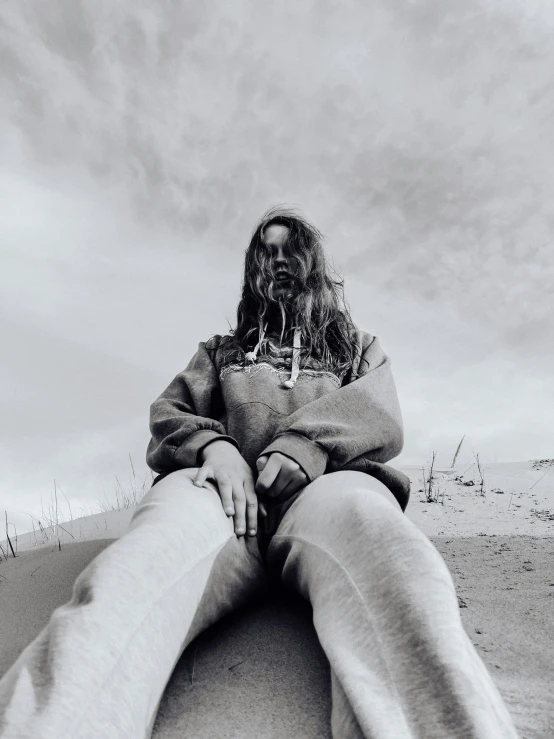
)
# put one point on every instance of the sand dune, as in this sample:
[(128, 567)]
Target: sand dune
[(499, 548), (518, 500)]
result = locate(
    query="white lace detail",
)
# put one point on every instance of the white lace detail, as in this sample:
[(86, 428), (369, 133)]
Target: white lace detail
[(253, 369)]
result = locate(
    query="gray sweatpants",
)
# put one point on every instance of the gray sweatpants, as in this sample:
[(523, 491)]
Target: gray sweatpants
[(384, 608)]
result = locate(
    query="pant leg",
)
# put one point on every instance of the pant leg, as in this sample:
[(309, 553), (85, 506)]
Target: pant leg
[(100, 666), (344, 723), (387, 615)]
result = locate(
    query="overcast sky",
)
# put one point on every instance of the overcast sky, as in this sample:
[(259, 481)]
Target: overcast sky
[(140, 147)]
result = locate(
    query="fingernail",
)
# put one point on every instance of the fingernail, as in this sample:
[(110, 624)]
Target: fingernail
[(230, 511), (252, 532), (240, 532)]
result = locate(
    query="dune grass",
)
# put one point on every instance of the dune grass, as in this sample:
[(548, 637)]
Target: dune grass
[(126, 497), (46, 529)]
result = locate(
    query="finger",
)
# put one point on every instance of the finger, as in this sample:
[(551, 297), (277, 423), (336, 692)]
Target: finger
[(202, 475), (261, 462), (281, 481), (287, 472), (251, 507), (268, 475), (225, 490), (297, 482), (239, 499)]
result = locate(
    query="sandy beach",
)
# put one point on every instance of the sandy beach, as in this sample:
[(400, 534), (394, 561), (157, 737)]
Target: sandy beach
[(499, 547)]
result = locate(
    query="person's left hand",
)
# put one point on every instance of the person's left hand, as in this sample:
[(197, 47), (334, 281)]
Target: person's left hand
[(279, 477)]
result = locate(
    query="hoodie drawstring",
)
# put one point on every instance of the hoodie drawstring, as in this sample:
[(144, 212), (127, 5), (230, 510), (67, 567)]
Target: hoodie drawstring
[(251, 356), (296, 346), (295, 368)]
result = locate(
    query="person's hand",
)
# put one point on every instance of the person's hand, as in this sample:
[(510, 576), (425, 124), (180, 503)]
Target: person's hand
[(279, 477), (223, 463)]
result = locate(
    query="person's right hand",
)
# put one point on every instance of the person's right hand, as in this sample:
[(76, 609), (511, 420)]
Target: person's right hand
[(223, 463)]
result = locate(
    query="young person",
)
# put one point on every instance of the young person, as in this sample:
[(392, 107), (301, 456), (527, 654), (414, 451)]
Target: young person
[(272, 449)]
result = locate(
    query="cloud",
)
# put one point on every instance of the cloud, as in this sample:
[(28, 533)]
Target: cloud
[(140, 146)]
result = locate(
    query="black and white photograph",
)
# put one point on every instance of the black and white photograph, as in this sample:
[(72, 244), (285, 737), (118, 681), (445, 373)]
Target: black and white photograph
[(277, 338)]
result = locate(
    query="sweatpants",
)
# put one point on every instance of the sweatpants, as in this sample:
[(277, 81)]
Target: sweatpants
[(384, 608)]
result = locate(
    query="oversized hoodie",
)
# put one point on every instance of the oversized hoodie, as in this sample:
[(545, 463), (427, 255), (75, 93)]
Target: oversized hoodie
[(276, 399)]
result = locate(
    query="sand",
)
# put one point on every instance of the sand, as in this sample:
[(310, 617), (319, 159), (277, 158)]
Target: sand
[(498, 546)]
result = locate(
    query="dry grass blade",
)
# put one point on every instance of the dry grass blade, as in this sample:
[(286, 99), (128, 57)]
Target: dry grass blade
[(540, 478), (429, 489), (480, 470), (56, 514), (458, 450), (8, 536)]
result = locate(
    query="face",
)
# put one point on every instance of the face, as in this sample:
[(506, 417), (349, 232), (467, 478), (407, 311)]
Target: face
[(283, 263)]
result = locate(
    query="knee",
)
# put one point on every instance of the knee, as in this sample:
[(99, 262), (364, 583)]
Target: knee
[(175, 503), (174, 526), (355, 500), (353, 508), (345, 514)]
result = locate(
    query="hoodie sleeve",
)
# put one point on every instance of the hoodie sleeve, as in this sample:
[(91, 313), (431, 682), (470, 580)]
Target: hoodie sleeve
[(183, 418), (361, 418)]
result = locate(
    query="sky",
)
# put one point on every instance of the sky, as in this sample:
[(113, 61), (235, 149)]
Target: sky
[(141, 145)]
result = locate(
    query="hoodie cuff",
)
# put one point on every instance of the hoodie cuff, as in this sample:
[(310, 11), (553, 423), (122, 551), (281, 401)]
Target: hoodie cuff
[(188, 453), (308, 454)]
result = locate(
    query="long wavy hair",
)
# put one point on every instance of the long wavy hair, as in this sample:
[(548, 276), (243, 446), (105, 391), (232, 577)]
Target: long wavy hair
[(316, 304)]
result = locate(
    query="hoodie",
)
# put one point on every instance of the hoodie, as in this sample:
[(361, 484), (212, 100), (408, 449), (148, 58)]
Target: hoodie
[(277, 399)]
